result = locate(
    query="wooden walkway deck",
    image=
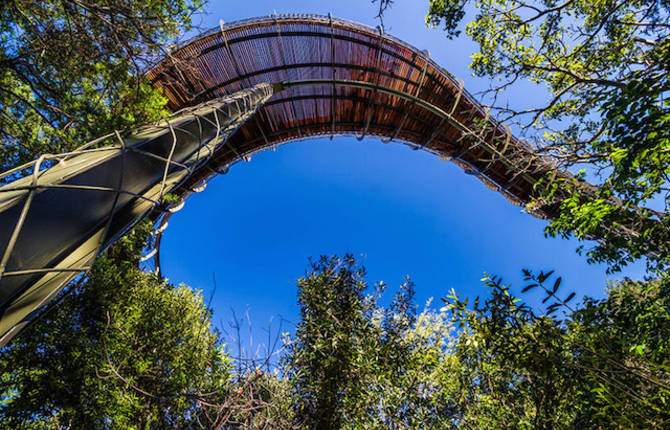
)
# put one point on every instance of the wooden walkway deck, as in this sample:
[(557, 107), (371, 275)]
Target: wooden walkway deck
[(343, 78)]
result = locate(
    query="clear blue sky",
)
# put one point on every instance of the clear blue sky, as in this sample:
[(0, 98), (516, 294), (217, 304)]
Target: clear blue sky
[(400, 211)]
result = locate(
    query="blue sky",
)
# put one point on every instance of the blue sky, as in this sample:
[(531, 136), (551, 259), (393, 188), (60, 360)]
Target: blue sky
[(402, 212)]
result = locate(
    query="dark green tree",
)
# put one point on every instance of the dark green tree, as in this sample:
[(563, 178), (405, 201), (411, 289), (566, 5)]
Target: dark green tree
[(72, 70), (327, 353), (124, 349), (605, 364), (356, 364), (624, 344)]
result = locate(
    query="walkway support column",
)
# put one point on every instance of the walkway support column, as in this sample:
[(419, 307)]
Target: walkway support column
[(68, 208)]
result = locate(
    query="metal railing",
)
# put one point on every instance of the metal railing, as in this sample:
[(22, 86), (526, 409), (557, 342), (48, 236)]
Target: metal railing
[(55, 221)]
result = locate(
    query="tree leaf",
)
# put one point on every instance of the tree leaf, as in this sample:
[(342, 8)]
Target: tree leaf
[(543, 276), (557, 284), (528, 288)]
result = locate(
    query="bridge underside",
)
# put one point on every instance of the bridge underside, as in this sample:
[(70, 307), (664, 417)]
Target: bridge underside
[(343, 78)]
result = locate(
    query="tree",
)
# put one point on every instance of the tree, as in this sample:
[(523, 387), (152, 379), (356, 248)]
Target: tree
[(128, 350), (124, 349), (327, 361), (355, 364), (625, 345), (72, 70), (494, 363), (605, 66), (604, 365)]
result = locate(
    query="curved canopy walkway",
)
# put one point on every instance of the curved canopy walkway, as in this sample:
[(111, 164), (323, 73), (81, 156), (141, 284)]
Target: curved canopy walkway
[(236, 90), (343, 78)]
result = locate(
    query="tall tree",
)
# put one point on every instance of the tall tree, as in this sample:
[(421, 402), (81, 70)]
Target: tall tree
[(72, 70), (356, 364), (125, 349), (606, 68), (495, 363), (332, 328)]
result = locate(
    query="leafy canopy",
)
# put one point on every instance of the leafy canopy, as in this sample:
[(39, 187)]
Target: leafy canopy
[(605, 66), (605, 364), (495, 363), (128, 350), (72, 70), (354, 364), (123, 350)]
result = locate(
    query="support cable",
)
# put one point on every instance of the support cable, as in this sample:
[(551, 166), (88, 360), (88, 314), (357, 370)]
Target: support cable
[(510, 164), (22, 217), (373, 99), (334, 90), (439, 128)]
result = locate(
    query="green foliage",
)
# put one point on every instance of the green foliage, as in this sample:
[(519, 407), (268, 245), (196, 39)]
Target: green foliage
[(332, 327), (605, 66), (128, 350), (513, 365), (625, 340), (125, 349), (604, 366), (448, 13), (71, 71), (355, 364), (494, 363)]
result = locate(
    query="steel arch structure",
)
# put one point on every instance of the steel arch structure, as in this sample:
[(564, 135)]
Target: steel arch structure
[(239, 89), (338, 77)]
